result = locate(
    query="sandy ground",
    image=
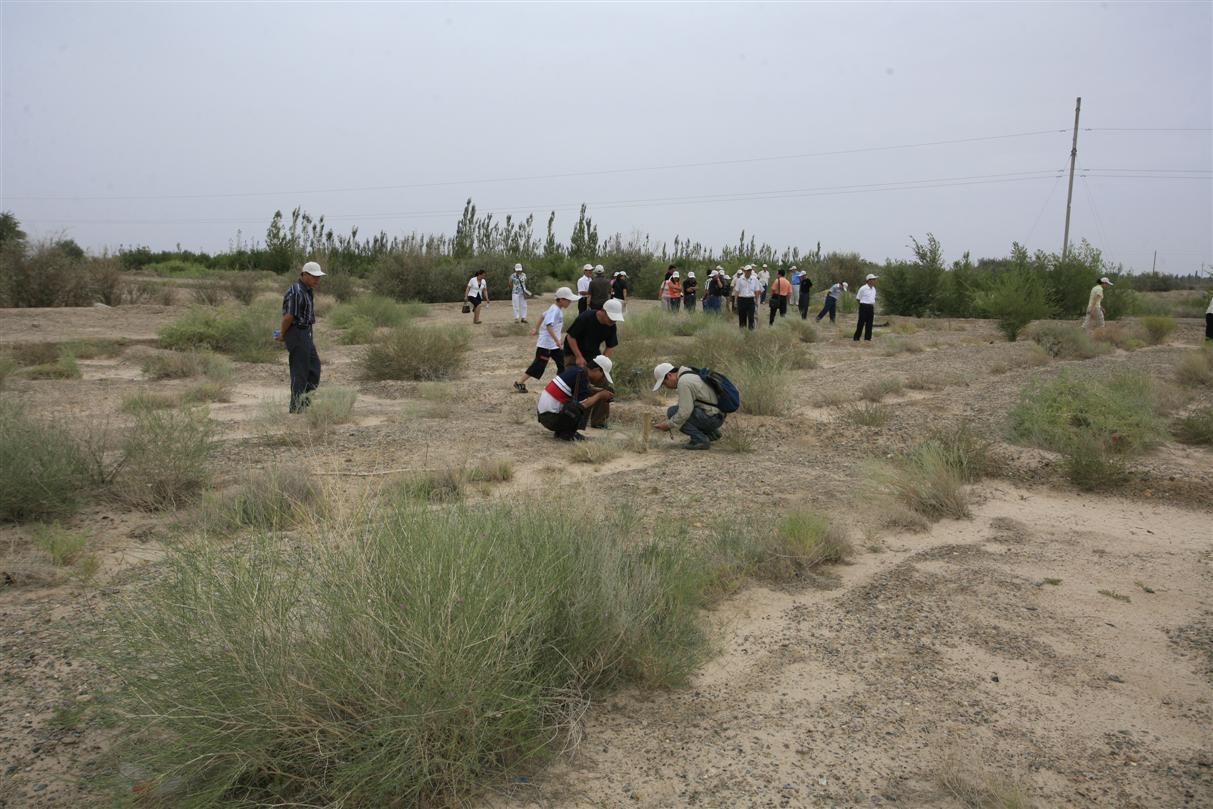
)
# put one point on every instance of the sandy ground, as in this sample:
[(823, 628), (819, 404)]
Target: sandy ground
[(926, 654)]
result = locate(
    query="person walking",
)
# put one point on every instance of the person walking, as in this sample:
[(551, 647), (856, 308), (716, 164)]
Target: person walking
[(781, 290), (548, 347), (866, 295), (600, 288), (295, 331), (619, 288), (697, 413), (594, 332), (726, 287), (1094, 318), (764, 278), (711, 302), (689, 288), (674, 289), (794, 280), (663, 293), (806, 295), (569, 400), (583, 288), (476, 294), (831, 303), (746, 290), (519, 293)]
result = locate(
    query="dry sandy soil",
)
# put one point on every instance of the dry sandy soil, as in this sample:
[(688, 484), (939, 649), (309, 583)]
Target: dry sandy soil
[(1057, 643)]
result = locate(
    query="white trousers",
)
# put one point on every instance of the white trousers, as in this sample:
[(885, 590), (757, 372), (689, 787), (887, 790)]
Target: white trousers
[(519, 305)]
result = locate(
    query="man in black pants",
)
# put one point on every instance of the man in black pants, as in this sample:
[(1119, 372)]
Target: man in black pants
[(746, 290), (298, 317), (806, 290), (781, 290), (866, 295)]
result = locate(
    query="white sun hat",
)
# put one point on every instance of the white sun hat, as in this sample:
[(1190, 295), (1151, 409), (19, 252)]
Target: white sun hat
[(614, 310), (564, 293), (659, 373), (312, 268), (604, 362)]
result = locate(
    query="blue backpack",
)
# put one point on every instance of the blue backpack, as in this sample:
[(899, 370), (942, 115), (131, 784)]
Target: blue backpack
[(728, 399)]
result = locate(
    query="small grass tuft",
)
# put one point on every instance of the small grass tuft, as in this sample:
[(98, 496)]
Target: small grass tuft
[(1158, 328), (42, 467), (800, 542), (143, 400), (864, 414), (165, 459), (1053, 582), (434, 486), (328, 407), (1195, 368), (272, 499), (893, 345), (186, 364), (498, 471), (64, 547), (737, 439), (975, 787), (65, 367), (1115, 596), (1066, 341), (593, 452), (877, 389), (1195, 428)]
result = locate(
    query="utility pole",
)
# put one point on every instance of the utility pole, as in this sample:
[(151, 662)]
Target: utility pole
[(1065, 242), (1154, 266)]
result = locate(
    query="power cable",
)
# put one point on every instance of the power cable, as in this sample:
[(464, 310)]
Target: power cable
[(1103, 239), (1052, 191)]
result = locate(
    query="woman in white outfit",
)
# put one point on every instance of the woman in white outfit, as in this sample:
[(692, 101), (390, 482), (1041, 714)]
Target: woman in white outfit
[(519, 293)]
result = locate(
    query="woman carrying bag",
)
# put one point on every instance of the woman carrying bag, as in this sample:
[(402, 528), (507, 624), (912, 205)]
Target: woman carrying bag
[(476, 295)]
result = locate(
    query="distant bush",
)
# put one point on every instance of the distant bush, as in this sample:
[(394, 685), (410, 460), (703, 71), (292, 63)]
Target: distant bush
[(208, 293), (341, 286), (379, 310), (165, 459), (243, 286), (47, 275), (43, 472), (1066, 341), (244, 333), (1158, 328), (180, 268), (417, 352), (1016, 298)]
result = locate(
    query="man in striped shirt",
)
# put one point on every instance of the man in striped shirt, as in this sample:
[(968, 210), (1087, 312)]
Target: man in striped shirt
[(298, 317), (565, 403)]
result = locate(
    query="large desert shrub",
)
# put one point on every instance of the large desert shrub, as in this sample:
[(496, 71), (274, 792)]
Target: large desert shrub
[(42, 467), (1158, 328), (1015, 298), (401, 661), (45, 275), (243, 332), (417, 352)]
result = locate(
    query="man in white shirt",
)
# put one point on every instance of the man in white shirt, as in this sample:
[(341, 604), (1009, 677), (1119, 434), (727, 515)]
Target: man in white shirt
[(764, 278), (519, 293), (866, 296), (548, 346), (583, 287), (746, 290), (1094, 318)]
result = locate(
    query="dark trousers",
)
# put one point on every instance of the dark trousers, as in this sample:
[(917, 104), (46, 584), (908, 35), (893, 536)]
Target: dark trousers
[(867, 313), (1209, 325), (688, 301), (700, 426), (803, 305), (563, 424), (305, 365), (675, 304), (583, 303), (779, 303), (828, 308), (712, 304), (540, 363), (746, 307)]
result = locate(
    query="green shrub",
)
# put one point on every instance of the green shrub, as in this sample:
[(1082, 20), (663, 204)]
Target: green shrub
[(341, 286), (64, 547), (402, 662), (1158, 328), (1196, 427), (1066, 341), (185, 364), (380, 310), (329, 406), (243, 333), (1195, 368), (180, 268), (243, 286), (165, 459), (417, 352), (800, 542), (272, 499), (208, 293), (1118, 412), (65, 367), (42, 467), (1016, 298), (1090, 465), (358, 331)]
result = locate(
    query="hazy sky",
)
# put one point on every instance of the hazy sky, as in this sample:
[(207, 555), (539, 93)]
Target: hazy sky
[(167, 123)]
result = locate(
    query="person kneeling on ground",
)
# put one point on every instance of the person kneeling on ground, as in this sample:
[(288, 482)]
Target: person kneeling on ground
[(565, 403), (697, 413)]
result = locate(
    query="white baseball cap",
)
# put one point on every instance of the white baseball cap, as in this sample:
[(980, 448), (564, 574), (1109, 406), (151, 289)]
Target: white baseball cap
[(564, 293), (659, 373), (720, 268), (793, 267), (517, 268), (587, 268), (604, 362), (599, 269), (871, 277), (1105, 280), (614, 310), (764, 266), (675, 274), (691, 274), (312, 268)]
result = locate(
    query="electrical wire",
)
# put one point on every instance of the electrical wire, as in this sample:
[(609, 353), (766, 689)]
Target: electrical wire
[(1052, 191), (597, 173), (1103, 239)]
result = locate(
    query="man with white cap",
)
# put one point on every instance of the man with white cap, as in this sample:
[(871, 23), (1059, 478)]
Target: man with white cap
[(1094, 318), (689, 288), (697, 413), (764, 278), (594, 332), (746, 289), (794, 280), (548, 347), (600, 287), (619, 288), (711, 302), (519, 293), (570, 400), (866, 296), (833, 295), (583, 287), (295, 330)]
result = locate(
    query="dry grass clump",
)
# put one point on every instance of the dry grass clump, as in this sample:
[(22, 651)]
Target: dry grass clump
[(271, 499), (243, 286), (165, 459), (96, 349), (801, 542), (65, 367), (930, 479), (142, 400), (1195, 428), (43, 468), (64, 547), (973, 786), (737, 439), (926, 382), (877, 389), (892, 345), (208, 293), (1158, 328), (185, 364), (509, 329), (431, 486), (1033, 356), (416, 352), (1066, 341), (593, 452), (7, 366), (1118, 335), (1195, 368), (497, 471), (329, 406), (864, 414), (831, 398)]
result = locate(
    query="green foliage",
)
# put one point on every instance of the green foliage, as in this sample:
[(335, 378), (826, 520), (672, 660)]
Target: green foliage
[(1196, 427), (358, 331), (272, 499), (47, 275), (402, 661), (42, 466), (242, 332), (63, 547), (1158, 328), (379, 309), (416, 352), (1015, 298), (165, 459), (1066, 341), (912, 289)]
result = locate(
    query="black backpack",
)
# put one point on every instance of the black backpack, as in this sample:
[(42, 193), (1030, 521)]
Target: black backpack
[(728, 398)]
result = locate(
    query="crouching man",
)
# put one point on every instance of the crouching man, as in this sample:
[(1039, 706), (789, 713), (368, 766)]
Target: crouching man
[(697, 413), (568, 400)]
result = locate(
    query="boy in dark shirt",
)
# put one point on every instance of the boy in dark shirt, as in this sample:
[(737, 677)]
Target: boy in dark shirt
[(593, 333)]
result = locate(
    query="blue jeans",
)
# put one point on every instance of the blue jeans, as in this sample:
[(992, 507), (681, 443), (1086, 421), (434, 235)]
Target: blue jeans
[(828, 309), (699, 426), (712, 304)]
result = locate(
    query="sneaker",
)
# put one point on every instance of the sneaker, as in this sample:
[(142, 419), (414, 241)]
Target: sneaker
[(524, 320), (520, 387), (699, 445), (578, 437)]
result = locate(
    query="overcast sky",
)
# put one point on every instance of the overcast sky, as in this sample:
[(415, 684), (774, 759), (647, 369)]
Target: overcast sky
[(167, 123)]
